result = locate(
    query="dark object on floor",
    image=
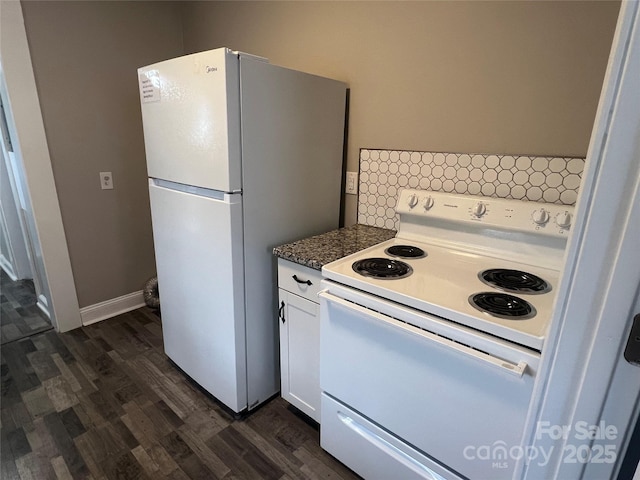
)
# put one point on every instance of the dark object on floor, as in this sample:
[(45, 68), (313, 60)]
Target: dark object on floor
[(151, 293)]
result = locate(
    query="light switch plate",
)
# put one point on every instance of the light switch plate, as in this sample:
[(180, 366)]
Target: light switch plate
[(352, 183)]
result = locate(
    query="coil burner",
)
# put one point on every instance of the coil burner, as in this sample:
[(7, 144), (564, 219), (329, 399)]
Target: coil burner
[(502, 305), (405, 251), (514, 281), (383, 268)]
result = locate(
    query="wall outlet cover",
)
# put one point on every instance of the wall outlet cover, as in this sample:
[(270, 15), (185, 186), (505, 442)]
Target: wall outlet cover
[(106, 181)]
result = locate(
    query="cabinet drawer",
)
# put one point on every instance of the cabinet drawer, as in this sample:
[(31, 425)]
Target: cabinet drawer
[(293, 277), (370, 451)]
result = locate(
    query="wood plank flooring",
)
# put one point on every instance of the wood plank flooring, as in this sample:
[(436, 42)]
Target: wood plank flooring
[(19, 316), (104, 402)]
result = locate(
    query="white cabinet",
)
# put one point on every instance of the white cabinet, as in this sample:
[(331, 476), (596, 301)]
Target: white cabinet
[(299, 320)]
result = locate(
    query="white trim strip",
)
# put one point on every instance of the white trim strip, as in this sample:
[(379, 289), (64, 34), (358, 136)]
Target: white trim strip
[(7, 267), (43, 305), (110, 308)]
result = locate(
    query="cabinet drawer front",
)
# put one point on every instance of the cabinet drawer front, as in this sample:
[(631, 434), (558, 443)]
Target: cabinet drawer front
[(298, 279), (370, 451)]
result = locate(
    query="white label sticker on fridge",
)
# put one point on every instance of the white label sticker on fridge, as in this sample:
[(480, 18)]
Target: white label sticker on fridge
[(149, 83)]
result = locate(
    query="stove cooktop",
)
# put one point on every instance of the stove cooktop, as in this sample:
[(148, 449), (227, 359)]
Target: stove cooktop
[(450, 284)]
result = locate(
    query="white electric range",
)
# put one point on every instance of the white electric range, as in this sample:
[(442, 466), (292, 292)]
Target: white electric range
[(430, 342)]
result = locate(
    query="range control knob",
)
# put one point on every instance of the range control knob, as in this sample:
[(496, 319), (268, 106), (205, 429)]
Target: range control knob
[(563, 220), (412, 201), (479, 209), (540, 217), (428, 203)]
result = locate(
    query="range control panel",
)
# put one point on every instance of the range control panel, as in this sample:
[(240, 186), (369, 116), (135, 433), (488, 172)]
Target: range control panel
[(544, 218)]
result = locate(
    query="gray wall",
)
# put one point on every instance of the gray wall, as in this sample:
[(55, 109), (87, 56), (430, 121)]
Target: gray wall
[(460, 76), (85, 56), (498, 77)]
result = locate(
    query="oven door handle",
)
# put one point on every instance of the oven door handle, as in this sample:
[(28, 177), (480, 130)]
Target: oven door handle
[(516, 369)]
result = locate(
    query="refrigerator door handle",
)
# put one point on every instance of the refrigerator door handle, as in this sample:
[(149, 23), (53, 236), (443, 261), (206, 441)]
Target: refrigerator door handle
[(201, 192)]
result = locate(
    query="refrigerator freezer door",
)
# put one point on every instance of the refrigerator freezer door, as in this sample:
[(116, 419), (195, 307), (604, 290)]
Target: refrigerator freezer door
[(198, 244), (191, 118)]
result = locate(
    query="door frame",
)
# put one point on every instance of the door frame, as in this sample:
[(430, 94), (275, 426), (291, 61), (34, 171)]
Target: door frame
[(598, 289), (26, 126), (20, 264)]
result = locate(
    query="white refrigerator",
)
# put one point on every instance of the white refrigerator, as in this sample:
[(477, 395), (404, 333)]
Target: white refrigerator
[(242, 156)]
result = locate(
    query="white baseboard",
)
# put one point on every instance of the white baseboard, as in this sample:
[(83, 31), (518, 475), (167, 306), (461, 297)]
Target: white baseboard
[(110, 308), (43, 305), (8, 269)]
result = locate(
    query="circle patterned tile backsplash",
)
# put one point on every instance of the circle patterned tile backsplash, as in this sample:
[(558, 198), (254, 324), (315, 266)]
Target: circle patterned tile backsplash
[(383, 173)]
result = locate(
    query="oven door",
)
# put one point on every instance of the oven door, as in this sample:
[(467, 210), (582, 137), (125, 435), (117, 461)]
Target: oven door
[(456, 396)]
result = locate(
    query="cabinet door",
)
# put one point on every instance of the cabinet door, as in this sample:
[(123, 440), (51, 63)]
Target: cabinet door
[(300, 353)]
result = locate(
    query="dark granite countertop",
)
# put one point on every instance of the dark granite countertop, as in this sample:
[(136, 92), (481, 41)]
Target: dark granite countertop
[(321, 249)]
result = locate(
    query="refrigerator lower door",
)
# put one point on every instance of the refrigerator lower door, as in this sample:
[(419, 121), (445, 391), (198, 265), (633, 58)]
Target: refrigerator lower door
[(198, 245)]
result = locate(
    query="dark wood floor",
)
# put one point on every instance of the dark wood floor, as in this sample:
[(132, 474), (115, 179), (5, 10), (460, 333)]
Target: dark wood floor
[(104, 402), (20, 317)]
